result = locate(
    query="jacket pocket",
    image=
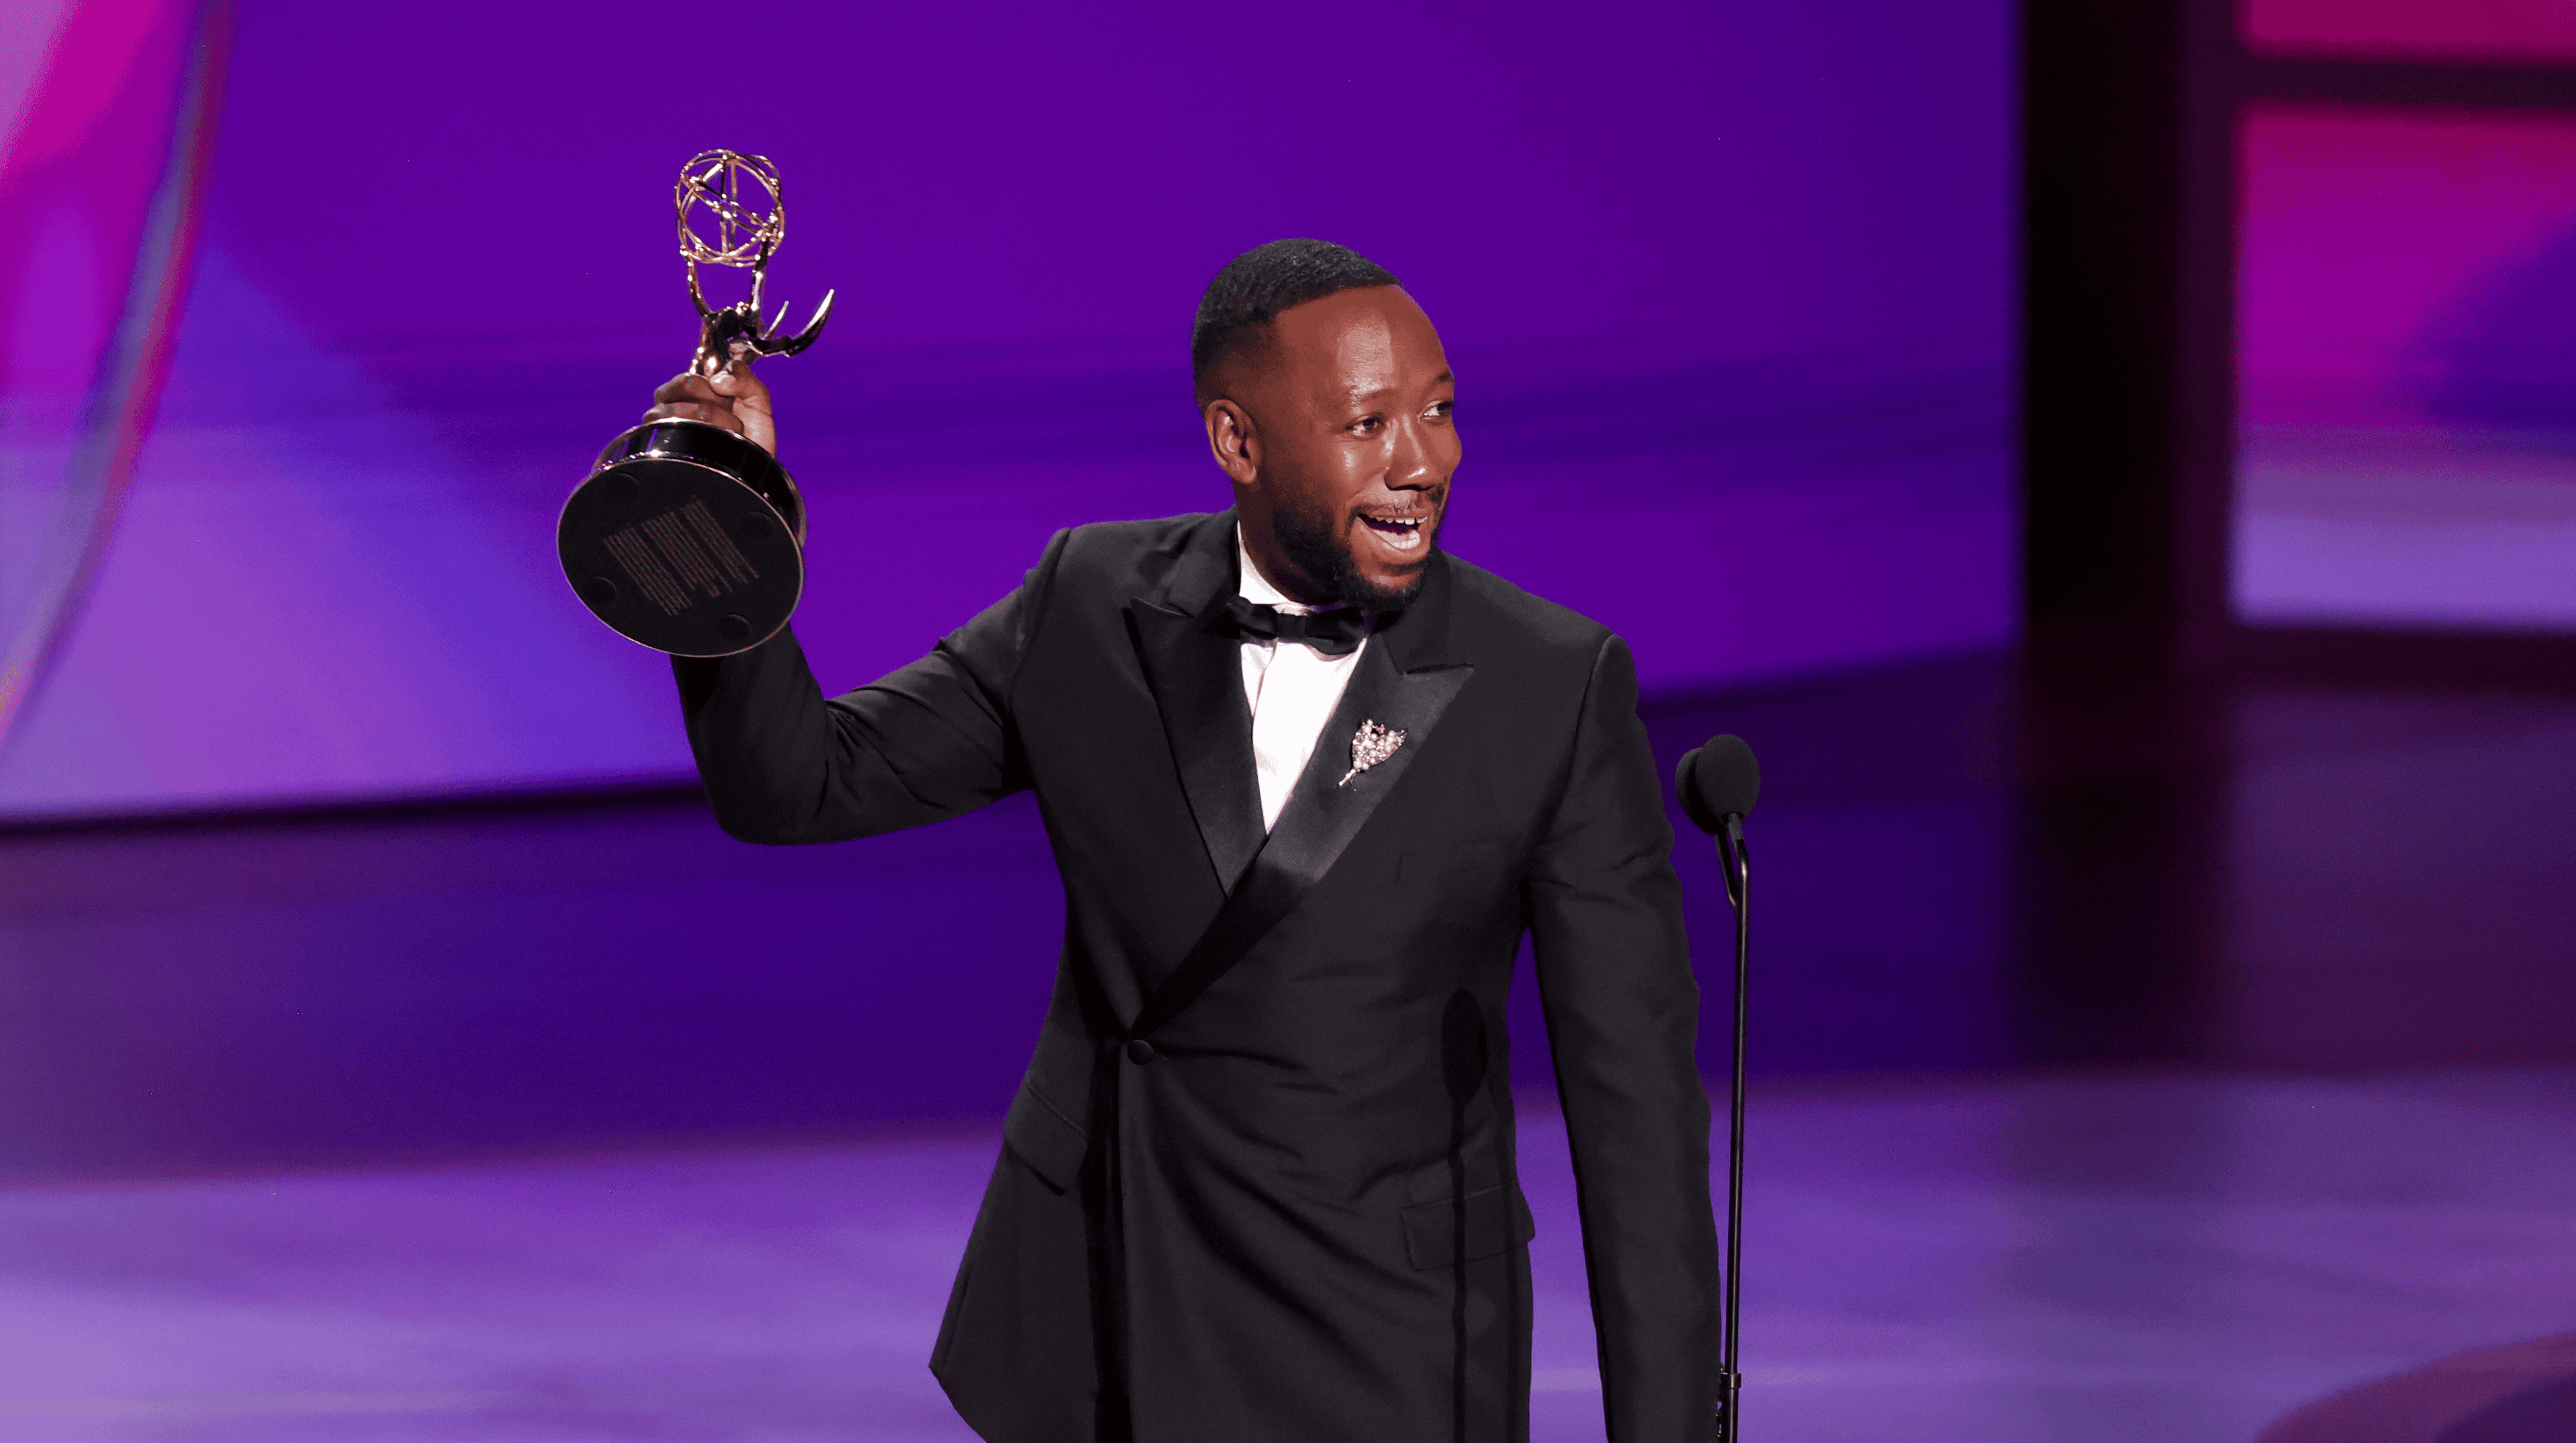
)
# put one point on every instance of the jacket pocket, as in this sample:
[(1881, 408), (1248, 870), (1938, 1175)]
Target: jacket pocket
[(1477, 856), (1495, 1221), (1045, 1139)]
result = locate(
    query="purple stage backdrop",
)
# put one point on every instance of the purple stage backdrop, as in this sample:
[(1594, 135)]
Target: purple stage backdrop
[(1727, 289), (2407, 369), (105, 114)]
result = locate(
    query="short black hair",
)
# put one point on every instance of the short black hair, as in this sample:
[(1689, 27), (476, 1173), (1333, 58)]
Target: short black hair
[(1247, 296)]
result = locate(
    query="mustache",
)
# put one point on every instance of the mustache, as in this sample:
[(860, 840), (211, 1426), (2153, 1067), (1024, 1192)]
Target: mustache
[(1414, 504)]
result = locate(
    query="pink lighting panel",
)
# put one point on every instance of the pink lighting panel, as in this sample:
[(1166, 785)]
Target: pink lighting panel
[(2406, 362), (2507, 30)]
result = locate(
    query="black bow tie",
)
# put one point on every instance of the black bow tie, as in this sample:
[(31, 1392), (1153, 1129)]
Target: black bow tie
[(1337, 632)]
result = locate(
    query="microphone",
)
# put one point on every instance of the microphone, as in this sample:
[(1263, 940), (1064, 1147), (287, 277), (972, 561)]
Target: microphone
[(1718, 785)]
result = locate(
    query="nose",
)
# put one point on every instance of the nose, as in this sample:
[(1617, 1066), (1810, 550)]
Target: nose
[(1413, 464)]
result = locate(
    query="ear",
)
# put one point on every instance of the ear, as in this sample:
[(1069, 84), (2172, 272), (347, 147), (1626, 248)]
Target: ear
[(1233, 440)]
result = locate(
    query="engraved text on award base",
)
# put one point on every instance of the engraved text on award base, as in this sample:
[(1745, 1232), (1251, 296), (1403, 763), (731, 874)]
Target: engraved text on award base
[(686, 542)]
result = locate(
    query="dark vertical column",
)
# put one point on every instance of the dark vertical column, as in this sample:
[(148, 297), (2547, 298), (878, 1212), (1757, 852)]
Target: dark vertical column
[(2127, 292), (2127, 435)]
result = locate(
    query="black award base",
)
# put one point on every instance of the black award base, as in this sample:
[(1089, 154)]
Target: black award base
[(686, 538)]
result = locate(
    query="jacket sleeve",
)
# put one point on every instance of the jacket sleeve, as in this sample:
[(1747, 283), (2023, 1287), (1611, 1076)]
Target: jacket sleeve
[(1605, 917), (933, 740)]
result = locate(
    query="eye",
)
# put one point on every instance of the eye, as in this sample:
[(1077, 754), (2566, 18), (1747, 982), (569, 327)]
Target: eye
[(1366, 426), (1443, 409)]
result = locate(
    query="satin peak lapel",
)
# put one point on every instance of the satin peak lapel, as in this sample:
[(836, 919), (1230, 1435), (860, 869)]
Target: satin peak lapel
[(1320, 820), (1197, 677), (1326, 811)]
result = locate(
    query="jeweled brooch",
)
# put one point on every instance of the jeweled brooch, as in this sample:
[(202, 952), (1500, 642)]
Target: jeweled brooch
[(1370, 745)]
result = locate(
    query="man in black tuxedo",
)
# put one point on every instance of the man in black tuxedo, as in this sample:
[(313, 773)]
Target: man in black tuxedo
[(1308, 780)]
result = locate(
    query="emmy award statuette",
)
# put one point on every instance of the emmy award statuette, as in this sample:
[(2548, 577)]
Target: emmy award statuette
[(688, 538)]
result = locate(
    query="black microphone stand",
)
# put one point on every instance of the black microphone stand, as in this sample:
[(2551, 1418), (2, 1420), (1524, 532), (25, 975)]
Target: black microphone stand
[(1737, 862)]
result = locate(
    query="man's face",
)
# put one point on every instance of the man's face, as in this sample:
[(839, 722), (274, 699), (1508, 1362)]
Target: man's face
[(1343, 477)]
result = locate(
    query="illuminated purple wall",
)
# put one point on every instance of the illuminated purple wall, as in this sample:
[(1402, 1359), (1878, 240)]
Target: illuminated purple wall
[(1727, 289), (106, 113), (2407, 369)]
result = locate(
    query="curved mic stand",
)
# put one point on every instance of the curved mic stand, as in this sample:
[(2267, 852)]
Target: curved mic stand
[(1717, 785), (1732, 856)]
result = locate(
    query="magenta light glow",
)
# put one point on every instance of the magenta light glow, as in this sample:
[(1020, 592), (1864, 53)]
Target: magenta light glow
[(2415, 29)]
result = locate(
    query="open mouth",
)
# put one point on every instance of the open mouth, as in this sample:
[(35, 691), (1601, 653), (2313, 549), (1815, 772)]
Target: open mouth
[(1400, 534)]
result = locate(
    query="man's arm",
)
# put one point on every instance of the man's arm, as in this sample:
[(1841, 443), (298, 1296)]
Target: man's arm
[(1614, 972), (927, 742), (782, 764)]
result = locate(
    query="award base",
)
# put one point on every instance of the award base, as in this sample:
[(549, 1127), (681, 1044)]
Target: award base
[(687, 538)]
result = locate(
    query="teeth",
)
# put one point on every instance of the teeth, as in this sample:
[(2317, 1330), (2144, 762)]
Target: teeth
[(1403, 533)]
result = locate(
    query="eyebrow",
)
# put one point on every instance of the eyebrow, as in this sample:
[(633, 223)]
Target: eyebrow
[(1445, 375)]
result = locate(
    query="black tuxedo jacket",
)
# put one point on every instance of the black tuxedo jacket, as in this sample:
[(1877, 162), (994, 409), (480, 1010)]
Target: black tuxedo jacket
[(1258, 1183)]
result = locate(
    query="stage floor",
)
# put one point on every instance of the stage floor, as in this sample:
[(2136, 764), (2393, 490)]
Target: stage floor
[(2080, 1260)]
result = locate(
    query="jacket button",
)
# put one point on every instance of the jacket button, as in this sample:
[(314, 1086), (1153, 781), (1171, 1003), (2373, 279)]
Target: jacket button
[(1140, 1052)]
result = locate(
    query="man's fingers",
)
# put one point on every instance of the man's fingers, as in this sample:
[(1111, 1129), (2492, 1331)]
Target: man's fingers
[(713, 414), (732, 398), (688, 386), (736, 379), (749, 400)]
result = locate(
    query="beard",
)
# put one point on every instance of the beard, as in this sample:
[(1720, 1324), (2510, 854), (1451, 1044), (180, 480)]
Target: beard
[(1313, 543)]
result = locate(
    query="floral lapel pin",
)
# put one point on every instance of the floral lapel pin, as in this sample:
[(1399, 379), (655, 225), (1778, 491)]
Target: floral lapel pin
[(1370, 745)]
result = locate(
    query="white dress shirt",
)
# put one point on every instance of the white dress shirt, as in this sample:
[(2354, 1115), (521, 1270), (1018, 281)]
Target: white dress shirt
[(1292, 688)]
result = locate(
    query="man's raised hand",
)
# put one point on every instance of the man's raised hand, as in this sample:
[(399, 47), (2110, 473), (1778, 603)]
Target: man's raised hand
[(732, 398)]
